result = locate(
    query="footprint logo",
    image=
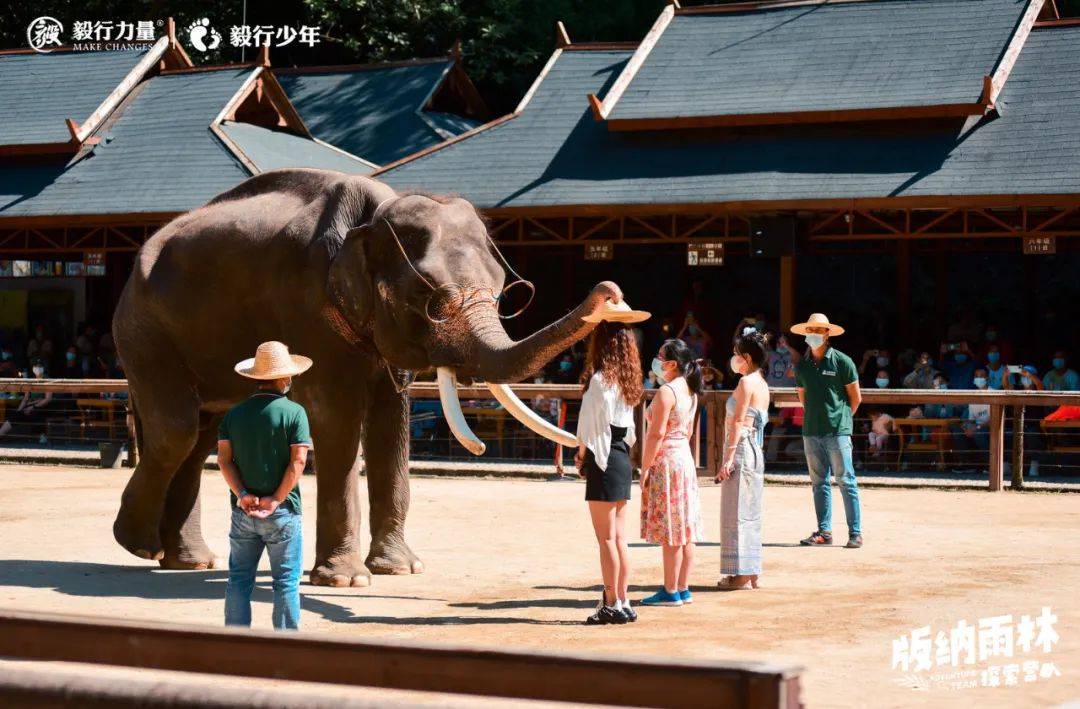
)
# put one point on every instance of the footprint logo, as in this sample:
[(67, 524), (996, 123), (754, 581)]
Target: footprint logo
[(202, 36)]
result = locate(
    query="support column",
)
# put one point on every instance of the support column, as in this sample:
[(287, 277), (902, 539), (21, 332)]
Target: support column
[(903, 287), (997, 446), (787, 292)]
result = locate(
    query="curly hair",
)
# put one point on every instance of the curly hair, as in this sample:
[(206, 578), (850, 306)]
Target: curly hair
[(613, 352)]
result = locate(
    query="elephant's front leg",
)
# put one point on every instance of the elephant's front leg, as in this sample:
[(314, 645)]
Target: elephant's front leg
[(386, 458), (335, 425)]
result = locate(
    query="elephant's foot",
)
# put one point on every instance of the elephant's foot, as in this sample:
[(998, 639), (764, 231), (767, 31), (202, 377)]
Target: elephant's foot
[(340, 571), (191, 557), (393, 557), (137, 536)]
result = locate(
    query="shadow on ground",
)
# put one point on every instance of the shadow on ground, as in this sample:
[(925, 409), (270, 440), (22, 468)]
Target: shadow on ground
[(92, 580)]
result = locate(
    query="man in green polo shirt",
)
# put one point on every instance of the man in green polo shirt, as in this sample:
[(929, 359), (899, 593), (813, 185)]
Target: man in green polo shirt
[(828, 384), (262, 449)]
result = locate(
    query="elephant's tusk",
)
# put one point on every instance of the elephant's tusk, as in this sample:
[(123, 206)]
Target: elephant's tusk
[(452, 411), (527, 416)]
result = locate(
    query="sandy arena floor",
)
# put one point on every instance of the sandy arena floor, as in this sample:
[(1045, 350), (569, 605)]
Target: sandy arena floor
[(513, 563)]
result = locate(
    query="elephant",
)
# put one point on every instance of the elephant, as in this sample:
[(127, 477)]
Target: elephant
[(371, 284)]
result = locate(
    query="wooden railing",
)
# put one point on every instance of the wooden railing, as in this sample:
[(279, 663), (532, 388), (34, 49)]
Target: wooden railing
[(686, 682), (712, 402)]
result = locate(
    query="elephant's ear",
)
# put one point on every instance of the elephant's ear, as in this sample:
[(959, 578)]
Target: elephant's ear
[(350, 279)]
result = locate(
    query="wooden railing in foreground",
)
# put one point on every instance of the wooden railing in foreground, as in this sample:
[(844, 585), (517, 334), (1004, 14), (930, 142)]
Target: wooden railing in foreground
[(712, 401), (653, 682)]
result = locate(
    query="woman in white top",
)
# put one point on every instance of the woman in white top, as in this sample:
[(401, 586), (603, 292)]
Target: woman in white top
[(605, 434)]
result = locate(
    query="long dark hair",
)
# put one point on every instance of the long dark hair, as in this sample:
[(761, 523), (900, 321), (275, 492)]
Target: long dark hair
[(677, 351), (614, 353)]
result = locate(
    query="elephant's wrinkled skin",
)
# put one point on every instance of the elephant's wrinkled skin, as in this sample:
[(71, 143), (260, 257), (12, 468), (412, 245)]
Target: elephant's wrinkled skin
[(290, 255)]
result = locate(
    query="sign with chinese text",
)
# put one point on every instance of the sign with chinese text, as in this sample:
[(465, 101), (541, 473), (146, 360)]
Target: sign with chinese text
[(599, 252), (94, 263), (1039, 245), (705, 254)]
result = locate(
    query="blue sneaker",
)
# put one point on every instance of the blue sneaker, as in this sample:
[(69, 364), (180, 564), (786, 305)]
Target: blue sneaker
[(663, 598), (685, 597)]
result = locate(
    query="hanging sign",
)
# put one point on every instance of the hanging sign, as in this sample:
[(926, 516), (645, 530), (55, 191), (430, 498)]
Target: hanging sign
[(705, 254)]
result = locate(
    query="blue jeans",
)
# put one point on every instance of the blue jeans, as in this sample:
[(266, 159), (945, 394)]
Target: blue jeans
[(832, 454), (282, 535)]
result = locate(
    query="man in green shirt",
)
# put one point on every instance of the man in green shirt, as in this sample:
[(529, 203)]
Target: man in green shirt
[(828, 385), (263, 444)]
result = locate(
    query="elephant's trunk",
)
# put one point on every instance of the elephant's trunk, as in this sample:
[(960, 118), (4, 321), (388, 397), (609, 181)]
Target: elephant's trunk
[(491, 354), (498, 359)]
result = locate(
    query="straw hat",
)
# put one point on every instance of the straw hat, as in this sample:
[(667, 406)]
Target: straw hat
[(817, 320), (272, 361), (617, 312)]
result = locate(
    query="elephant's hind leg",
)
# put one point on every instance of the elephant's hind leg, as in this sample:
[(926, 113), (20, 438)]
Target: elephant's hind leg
[(386, 458), (181, 520), (168, 410)]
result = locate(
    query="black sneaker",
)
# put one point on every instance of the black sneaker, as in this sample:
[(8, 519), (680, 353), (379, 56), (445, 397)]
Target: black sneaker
[(854, 542), (817, 539), (630, 613), (606, 615)]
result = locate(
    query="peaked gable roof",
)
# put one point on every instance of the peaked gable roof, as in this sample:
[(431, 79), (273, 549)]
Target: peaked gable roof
[(554, 156), (38, 92), (373, 111), (786, 62)]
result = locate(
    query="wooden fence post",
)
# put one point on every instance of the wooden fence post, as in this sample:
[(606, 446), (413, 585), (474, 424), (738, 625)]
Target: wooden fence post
[(1018, 448), (997, 446)]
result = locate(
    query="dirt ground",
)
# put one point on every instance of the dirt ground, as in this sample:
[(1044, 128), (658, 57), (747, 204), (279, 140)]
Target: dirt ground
[(513, 564)]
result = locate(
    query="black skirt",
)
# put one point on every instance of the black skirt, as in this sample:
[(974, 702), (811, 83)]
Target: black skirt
[(613, 484)]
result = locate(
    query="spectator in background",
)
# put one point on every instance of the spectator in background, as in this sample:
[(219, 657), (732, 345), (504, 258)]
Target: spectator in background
[(1026, 378), (874, 361), (995, 368), (711, 378), (30, 414), (651, 381), (922, 376), (881, 426), (882, 380), (564, 372), (780, 370), (36, 346), (973, 433), (1061, 378), (86, 341), (695, 336), (958, 364), (8, 367), (71, 369), (942, 411), (994, 339)]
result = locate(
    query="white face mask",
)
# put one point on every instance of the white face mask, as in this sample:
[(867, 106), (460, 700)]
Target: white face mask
[(980, 382), (882, 383), (38, 371), (815, 340), (658, 369), (736, 363)]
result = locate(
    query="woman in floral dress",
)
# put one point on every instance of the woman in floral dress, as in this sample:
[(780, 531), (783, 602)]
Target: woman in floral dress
[(671, 508)]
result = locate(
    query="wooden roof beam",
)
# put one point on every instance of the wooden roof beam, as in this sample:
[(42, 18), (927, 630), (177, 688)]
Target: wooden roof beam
[(562, 37), (1012, 51), (636, 61)]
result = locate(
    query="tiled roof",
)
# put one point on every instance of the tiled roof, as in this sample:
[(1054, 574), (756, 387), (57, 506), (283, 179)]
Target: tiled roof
[(556, 154), (39, 91), (156, 155), (820, 57), (372, 112), (274, 149)]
